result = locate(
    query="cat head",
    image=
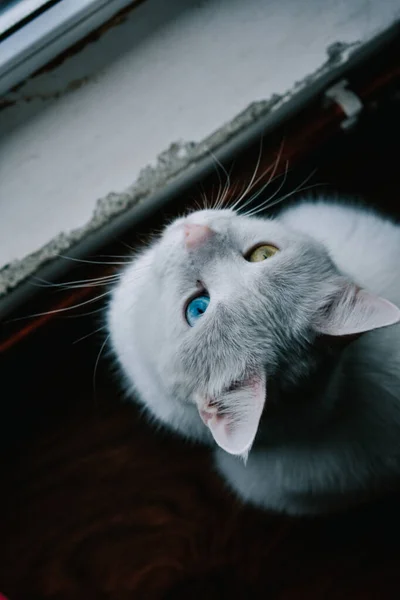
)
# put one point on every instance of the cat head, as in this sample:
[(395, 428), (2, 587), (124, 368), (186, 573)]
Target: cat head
[(220, 305)]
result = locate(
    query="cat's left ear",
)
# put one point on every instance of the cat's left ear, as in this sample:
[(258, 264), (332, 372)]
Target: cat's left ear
[(353, 311)]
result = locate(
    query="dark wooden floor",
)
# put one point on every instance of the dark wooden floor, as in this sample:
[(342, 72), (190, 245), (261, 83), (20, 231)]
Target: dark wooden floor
[(96, 504)]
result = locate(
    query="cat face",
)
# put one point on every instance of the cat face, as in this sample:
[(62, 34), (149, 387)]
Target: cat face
[(257, 311), (219, 306)]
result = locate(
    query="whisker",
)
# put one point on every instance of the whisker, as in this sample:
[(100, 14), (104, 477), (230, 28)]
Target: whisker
[(203, 197), (97, 362), (84, 337), (197, 205), (61, 310), (85, 314), (130, 248), (227, 188), (251, 183), (214, 203), (233, 189), (205, 200), (210, 197), (271, 178), (301, 189), (73, 286), (78, 283), (218, 163), (192, 200), (90, 262), (220, 198), (298, 189), (263, 188)]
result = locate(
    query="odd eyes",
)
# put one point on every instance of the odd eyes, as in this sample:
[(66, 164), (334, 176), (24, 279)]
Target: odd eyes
[(261, 253), (196, 309)]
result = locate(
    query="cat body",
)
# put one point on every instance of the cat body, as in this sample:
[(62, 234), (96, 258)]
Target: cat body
[(292, 373)]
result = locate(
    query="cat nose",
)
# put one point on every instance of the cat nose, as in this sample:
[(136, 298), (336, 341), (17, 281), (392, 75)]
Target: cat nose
[(195, 235)]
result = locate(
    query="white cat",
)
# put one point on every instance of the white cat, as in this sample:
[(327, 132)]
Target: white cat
[(269, 339)]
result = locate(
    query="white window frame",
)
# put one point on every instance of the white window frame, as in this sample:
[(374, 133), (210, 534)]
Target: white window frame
[(58, 27), (15, 13)]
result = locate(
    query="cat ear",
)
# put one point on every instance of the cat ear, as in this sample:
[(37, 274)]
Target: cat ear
[(234, 416), (354, 311)]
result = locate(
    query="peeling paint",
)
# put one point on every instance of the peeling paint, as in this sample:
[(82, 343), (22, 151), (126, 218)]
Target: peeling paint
[(94, 36), (338, 50), (73, 85)]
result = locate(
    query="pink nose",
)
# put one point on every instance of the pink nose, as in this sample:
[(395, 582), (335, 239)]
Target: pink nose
[(195, 235)]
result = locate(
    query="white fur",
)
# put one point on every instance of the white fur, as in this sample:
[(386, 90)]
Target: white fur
[(312, 455)]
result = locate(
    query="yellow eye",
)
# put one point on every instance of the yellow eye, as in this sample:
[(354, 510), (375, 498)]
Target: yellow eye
[(262, 253)]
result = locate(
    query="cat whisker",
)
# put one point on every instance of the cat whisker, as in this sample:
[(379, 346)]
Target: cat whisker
[(226, 189), (253, 177), (255, 182), (78, 286), (212, 201), (233, 192), (298, 189), (271, 178), (197, 205), (92, 262), (97, 362), (205, 201), (201, 205), (85, 314), (122, 256), (84, 337), (64, 309), (217, 162), (266, 202), (262, 189), (128, 246), (221, 195), (79, 283)]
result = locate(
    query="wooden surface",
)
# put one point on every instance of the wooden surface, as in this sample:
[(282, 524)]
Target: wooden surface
[(96, 504)]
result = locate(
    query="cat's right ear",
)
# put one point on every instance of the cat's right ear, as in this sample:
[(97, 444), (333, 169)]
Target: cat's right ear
[(353, 311)]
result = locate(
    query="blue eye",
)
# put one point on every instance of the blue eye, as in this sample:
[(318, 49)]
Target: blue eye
[(196, 309)]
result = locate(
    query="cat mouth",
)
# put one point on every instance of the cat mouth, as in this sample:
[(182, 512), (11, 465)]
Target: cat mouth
[(233, 415)]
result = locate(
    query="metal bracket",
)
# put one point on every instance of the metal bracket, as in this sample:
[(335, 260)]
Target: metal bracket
[(348, 101)]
